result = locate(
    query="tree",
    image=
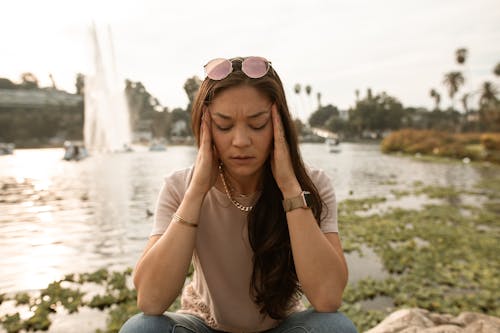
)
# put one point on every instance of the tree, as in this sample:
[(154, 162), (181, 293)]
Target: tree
[(80, 83), (437, 98), (488, 95), (453, 81), (7, 84), (321, 116), (337, 125), (180, 115), (489, 107), (29, 81), (318, 96), (496, 70), (299, 126), (191, 87), (297, 88), (461, 55), (464, 100), (51, 77), (308, 90), (377, 113)]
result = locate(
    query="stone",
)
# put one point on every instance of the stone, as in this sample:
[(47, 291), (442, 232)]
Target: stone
[(422, 321)]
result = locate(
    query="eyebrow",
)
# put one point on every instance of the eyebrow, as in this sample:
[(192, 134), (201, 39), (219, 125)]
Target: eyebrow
[(252, 116)]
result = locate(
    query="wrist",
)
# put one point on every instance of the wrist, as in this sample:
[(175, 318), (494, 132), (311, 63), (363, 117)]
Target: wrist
[(194, 196), (292, 190)]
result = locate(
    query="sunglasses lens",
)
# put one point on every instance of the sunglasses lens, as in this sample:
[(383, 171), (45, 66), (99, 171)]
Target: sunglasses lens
[(218, 69), (255, 67)]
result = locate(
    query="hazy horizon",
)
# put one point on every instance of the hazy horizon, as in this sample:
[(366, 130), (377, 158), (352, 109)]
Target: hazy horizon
[(401, 48)]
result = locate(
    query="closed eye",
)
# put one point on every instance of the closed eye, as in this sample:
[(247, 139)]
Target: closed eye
[(259, 127), (224, 129), (227, 128)]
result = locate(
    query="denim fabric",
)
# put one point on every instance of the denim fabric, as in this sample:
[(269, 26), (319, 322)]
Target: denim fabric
[(318, 322), (306, 321)]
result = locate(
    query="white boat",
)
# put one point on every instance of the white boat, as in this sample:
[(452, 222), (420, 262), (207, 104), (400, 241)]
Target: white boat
[(158, 146), (332, 145), (6, 148), (74, 151)]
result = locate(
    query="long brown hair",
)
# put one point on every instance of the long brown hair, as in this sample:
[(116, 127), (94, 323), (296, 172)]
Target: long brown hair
[(274, 284)]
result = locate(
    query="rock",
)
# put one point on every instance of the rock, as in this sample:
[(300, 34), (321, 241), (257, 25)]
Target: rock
[(423, 321)]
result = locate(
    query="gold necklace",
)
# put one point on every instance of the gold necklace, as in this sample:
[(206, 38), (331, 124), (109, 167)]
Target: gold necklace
[(228, 193)]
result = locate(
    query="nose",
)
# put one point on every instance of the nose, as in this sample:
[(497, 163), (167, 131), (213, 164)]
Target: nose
[(241, 137)]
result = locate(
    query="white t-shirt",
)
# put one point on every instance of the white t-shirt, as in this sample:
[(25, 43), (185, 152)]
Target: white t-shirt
[(219, 292)]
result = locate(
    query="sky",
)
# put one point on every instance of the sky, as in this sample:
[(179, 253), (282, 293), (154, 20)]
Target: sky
[(398, 46)]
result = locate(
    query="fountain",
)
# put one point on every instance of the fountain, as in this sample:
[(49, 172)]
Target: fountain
[(107, 120)]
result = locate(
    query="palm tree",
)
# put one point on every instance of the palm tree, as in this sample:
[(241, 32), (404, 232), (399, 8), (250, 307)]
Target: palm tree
[(465, 100), (489, 107), (297, 88), (461, 55), (496, 70), (488, 94), (308, 90), (453, 81), (437, 98)]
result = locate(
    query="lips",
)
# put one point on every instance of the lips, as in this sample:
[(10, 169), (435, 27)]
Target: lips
[(242, 159)]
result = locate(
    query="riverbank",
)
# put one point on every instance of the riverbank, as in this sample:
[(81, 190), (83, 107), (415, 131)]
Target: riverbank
[(463, 146), (440, 256)]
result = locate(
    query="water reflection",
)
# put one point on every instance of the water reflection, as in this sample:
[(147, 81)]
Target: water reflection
[(61, 217)]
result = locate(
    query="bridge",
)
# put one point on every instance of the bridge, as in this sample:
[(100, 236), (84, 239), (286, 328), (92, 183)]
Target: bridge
[(324, 133)]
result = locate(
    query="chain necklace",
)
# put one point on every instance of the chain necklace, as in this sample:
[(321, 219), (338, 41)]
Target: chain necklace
[(228, 193)]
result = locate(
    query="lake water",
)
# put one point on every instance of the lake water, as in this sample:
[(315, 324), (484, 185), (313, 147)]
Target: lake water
[(59, 217)]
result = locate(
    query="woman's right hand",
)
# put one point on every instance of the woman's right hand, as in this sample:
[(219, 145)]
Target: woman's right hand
[(206, 165)]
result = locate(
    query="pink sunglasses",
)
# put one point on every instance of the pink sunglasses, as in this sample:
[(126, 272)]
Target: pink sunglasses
[(254, 67)]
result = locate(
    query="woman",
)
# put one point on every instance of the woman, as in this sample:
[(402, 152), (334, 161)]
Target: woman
[(259, 227)]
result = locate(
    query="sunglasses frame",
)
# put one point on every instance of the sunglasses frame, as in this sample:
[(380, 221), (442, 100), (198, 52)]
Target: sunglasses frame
[(231, 61)]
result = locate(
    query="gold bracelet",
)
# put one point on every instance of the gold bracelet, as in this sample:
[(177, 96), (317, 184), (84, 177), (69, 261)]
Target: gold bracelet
[(177, 218)]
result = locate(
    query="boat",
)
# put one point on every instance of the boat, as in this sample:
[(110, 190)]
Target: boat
[(332, 144), (157, 145), (74, 151), (6, 148)]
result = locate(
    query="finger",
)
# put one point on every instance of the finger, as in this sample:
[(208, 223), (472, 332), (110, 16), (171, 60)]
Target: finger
[(216, 154), (274, 114), (277, 127), (207, 135)]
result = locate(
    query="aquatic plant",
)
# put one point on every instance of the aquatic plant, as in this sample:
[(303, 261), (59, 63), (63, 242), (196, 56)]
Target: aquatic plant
[(441, 258)]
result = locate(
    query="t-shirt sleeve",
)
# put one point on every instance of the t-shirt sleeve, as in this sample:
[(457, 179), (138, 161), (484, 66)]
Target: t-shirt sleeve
[(170, 197), (327, 193)]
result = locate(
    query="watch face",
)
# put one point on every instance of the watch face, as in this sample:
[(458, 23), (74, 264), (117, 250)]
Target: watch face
[(308, 198)]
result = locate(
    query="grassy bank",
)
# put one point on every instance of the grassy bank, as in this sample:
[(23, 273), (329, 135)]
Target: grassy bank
[(442, 257), (474, 146)]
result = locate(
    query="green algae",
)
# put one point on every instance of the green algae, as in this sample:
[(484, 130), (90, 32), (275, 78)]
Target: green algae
[(442, 258)]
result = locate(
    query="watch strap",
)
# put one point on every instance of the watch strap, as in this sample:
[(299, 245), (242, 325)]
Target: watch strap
[(299, 201)]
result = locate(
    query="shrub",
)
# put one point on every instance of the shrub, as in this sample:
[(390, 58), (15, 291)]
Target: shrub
[(491, 141)]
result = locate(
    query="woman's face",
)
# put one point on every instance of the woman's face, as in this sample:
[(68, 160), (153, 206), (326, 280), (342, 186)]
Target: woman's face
[(242, 129)]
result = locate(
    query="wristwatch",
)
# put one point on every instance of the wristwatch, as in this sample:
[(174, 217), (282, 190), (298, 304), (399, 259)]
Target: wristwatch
[(303, 200)]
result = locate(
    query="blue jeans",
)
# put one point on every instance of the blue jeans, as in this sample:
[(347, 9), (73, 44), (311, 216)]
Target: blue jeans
[(300, 322)]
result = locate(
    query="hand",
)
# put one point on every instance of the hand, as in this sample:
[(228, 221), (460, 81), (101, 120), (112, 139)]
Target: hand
[(281, 162), (206, 166)]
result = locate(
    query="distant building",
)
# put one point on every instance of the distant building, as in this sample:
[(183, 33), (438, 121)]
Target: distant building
[(40, 117), (344, 114), (37, 98)]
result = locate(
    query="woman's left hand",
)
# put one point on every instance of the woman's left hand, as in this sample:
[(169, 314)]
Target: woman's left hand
[(281, 162)]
